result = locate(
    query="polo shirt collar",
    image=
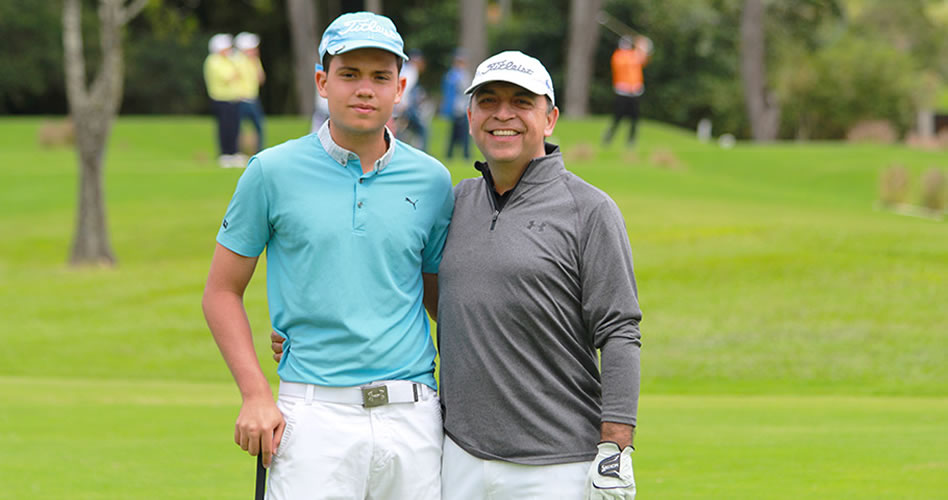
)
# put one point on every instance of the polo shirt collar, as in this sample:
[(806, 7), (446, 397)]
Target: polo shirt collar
[(343, 155)]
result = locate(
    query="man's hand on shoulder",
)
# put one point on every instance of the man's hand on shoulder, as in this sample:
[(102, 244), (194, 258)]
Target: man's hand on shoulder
[(276, 345), (610, 475)]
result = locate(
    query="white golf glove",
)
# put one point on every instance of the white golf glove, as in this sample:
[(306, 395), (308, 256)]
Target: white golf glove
[(610, 475)]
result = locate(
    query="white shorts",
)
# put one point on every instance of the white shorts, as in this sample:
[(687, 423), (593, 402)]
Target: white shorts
[(466, 477), (335, 450)]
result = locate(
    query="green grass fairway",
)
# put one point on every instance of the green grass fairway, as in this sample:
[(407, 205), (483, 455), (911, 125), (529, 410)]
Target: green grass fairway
[(93, 439), (795, 338)]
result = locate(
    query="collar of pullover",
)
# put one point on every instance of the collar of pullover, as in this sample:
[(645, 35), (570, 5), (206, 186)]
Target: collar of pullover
[(539, 170)]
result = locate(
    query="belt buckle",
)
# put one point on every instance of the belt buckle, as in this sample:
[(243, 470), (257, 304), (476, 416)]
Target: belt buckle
[(374, 395)]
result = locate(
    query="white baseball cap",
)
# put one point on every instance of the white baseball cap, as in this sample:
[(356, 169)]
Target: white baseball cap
[(517, 68), (245, 41), (219, 42)]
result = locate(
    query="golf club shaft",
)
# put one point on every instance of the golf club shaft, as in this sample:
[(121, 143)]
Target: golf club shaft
[(614, 25)]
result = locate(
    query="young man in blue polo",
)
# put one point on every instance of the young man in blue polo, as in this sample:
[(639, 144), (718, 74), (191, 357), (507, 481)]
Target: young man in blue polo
[(353, 222)]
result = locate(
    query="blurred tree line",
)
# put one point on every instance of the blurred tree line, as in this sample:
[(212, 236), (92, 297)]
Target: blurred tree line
[(829, 63)]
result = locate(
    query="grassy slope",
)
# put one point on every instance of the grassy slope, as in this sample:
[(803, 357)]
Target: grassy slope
[(766, 278), (761, 269), (766, 269)]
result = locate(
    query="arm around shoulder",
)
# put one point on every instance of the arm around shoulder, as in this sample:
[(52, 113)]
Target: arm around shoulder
[(430, 299)]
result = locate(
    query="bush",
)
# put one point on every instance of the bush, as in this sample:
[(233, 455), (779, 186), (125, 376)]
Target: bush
[(872, 131), (165, 74), (56, 134), (894, 185), (933, 190), (31, 80), (856, 79)]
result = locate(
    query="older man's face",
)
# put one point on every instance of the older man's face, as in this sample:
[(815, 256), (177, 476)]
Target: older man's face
[(509, 123)]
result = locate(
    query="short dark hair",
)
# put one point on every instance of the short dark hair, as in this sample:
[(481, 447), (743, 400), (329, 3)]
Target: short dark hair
[(327, 58)]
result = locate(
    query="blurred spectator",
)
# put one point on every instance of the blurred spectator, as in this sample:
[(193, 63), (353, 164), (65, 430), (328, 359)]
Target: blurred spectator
[(252, 75), (222, 77), (321, 108), (411, 114), (454, 103), (628, 83)]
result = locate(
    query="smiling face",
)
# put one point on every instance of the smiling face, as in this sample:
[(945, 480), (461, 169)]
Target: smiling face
[(509, 123), (361, 88)]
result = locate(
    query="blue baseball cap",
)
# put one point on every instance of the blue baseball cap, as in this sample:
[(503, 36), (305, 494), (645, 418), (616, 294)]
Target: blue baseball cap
[(361, 30)]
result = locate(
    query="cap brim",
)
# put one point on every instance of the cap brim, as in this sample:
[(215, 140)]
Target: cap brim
[(349, 46), (536, 89)]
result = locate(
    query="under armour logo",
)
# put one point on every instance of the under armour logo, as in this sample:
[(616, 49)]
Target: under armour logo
[(412, 202), (539, 227)]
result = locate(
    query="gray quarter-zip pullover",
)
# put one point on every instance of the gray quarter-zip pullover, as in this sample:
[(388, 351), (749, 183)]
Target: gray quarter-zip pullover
[(528, 291)]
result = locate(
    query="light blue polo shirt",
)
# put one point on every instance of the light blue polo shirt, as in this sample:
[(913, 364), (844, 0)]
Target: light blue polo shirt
[(345, 253)]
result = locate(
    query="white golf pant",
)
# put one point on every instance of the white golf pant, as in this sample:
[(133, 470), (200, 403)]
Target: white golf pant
[(342, 450), (466, 477)]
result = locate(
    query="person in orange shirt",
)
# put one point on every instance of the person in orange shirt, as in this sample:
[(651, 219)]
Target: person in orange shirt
[(628, 83)]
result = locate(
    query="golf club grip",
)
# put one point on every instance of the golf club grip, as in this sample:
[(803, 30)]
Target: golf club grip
[(261, 478)]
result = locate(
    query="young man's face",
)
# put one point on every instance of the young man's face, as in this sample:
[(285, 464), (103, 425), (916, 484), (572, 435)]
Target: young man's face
[(509, 123), (361, 88)]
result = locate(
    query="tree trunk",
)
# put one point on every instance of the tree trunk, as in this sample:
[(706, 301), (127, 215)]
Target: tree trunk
[(505, 8), (93, 110), (91, 244), (301, 15), (762, 107), (473, 23), (580, 52), (373, 6), (333, 10)]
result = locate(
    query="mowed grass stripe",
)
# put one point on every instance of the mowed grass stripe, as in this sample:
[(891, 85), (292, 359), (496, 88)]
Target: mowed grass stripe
[(108, 439), (115, 439), (792, 447)]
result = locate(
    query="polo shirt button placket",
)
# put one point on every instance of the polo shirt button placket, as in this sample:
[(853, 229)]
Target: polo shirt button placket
[(360, 214), (359, 217)]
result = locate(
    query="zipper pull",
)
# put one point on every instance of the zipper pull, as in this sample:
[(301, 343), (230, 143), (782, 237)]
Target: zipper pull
[(493, 220)]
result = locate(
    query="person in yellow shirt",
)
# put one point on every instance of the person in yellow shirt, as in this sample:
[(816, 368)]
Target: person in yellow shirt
[(628, 83), (247, 58), (222, 78)]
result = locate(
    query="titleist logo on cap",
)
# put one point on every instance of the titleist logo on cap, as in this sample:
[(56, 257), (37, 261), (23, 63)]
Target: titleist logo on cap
[(507, 66), (370, 26)]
